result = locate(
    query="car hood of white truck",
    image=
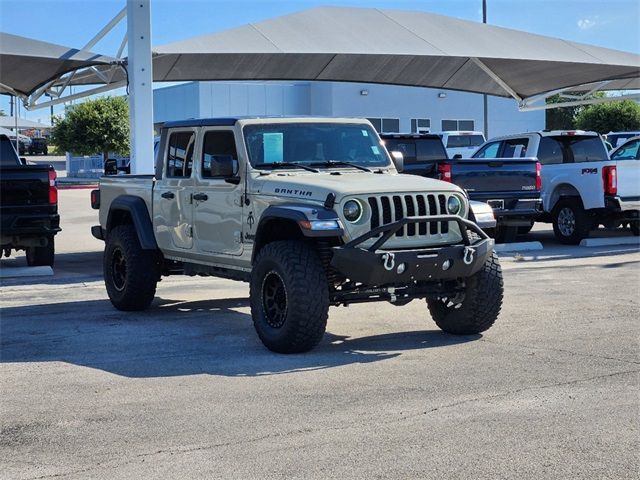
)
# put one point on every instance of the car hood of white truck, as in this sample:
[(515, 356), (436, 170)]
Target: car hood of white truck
[(316, 186)]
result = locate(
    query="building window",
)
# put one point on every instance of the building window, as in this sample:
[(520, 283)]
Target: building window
[(420, 125), (458, 125), (387, 125)]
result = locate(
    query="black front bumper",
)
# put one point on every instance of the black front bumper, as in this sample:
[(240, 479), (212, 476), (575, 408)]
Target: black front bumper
[(375, 266)]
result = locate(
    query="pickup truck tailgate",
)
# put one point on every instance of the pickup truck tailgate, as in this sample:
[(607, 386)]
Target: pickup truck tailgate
[(24, 186), (495, 175)]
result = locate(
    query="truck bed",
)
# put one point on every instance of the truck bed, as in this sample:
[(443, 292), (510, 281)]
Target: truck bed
[(118, 185)]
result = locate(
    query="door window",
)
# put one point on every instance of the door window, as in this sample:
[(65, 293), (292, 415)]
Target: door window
[(180, 154), (488, 151), (628, 152), (218, 151), (515, 148)]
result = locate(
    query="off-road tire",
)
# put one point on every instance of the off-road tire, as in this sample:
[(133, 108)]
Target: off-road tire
[(634, 225), (571, 223), (292, 269), (42, 256), (479, 305), (130, 272)]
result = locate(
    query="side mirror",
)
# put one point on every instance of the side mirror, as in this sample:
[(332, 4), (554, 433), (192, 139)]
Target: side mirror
[(457, 156), (223, 166), (398, 160)]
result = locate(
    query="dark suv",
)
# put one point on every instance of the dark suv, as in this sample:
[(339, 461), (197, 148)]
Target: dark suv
[(38, 145)]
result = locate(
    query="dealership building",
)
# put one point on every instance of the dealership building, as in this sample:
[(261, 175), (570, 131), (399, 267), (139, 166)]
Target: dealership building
[(390, 108)]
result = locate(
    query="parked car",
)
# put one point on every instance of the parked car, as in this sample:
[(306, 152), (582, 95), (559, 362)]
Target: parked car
[(627, 158), (38, 145), (510, 186), (463, 143), (581, 186), (28, 207), (618, 138), (122, 166), (311, 212)]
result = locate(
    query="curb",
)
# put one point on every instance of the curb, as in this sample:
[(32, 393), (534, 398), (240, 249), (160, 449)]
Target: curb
[(605, 242), (21, 272), (517, 247)]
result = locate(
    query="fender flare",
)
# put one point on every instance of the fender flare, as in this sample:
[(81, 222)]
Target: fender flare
[(302, 212), (137, 209)]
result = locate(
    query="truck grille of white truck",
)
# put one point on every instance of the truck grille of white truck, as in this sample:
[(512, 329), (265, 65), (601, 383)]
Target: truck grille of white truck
[(387, 209)]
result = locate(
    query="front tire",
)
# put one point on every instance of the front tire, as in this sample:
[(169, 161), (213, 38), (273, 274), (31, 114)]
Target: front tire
[(635, 227), (130, 273), (571, 223), (289, 297), (476, 308), (41, 256)]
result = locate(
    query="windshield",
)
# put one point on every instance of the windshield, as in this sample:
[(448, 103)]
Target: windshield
[(314, 143), (458, 141)]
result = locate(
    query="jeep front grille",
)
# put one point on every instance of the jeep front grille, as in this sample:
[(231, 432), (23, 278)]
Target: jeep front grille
[(388, 209)]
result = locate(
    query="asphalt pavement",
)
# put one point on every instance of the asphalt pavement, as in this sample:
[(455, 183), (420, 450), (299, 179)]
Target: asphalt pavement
[(186, 389)]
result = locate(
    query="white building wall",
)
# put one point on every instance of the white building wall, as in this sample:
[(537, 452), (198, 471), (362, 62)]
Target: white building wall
[(219, 99)]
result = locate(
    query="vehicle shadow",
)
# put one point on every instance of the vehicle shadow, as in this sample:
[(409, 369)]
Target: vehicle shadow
[(214, 337), (69, 268)]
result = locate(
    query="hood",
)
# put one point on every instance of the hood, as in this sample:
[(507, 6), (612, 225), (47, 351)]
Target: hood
[(316, 186)]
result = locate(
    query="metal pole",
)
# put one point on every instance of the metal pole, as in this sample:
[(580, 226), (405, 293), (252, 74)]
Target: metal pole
[(485, 100), (15, 117), (140, 86)]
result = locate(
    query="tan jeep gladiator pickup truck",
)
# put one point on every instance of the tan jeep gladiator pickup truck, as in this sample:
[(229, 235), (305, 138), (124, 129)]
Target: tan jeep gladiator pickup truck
[(312, 212)]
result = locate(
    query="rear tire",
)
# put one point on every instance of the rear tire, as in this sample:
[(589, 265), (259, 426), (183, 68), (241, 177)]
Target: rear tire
[(635, 227), (289, 297), (130, 273), (525, 229), (571, 223), (505, 233), (42, 256), (477, 308)]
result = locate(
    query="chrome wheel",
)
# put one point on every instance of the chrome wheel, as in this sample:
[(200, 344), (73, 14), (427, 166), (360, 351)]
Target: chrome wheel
[(566, 221)]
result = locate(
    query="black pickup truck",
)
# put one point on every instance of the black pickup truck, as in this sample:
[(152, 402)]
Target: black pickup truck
[(510, 187), (29, 217)]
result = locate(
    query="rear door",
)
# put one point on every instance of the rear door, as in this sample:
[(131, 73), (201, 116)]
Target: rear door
[(172, 207), (217, 206), (627, 160)]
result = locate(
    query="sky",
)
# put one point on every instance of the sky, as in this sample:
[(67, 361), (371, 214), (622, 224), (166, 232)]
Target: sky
[(72, 23)]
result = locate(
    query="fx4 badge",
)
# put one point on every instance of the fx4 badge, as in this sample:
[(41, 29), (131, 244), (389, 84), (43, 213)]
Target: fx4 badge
[(587, 171)]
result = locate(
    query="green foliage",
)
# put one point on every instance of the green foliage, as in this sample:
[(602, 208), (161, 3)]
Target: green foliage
[(2, 114), (616, 116), (560, 118), (94, 126)]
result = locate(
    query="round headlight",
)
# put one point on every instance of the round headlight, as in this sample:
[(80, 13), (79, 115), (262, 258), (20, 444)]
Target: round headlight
[(454, 205), (352, 211)]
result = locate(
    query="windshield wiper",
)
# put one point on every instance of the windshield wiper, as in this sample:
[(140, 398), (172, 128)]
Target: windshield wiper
[(334, 163), (286, 165)]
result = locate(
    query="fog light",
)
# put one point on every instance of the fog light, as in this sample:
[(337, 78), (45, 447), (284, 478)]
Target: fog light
[(446, 265), (401, 268)]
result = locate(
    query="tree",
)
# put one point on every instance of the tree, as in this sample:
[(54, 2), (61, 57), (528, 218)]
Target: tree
[(2, 114), (94, 126), (562, 118), (616, 116)]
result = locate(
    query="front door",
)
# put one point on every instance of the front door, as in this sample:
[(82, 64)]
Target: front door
[(628, 165), (172, 207), (217, 195)]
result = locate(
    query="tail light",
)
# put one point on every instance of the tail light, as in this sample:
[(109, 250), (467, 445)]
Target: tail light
[(53, 190), (610, 180), (444, 169), (95, 199), (538, 176)]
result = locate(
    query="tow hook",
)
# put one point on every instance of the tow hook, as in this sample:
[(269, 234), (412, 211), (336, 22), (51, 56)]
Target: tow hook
[(389, 261), (468, 255)]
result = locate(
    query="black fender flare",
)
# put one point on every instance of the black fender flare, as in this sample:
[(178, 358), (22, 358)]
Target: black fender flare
[(137, 209)]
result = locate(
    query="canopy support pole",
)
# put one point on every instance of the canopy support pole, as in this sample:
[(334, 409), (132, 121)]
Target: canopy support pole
[(496, 78), (140, 86)]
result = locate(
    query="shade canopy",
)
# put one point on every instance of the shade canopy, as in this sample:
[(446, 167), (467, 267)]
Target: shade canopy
[(26, 64), (395, 47)]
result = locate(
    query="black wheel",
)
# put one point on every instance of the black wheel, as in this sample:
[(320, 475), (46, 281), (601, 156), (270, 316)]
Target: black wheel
[(505, 233), (42, 256), (289, 297), (570, 221), (130, 273), (524, 229), (635, 227), (475, 309)]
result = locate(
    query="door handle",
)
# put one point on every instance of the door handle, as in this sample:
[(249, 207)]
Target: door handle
[(168, 195), (200, 197)]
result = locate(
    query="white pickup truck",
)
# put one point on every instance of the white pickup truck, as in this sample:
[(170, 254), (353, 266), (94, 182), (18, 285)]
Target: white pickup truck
[(581, 186)]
